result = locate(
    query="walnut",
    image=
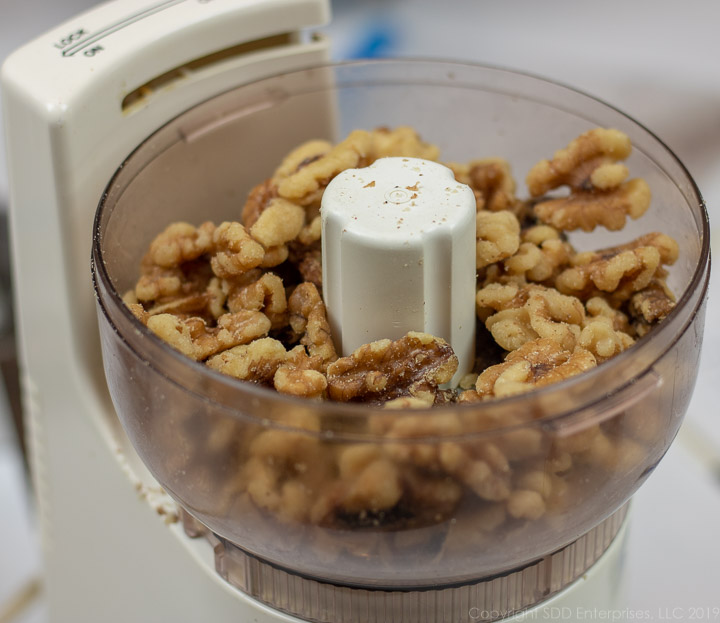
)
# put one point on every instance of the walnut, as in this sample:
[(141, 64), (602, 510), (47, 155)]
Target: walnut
[(587, 209), (572, 165), (186, 290), (498, 236), (522, 443), (305, 383), (410, 402), (371, 481), (493, 178), (599, 194), (310, 267), (535, 364), (600, 450), (209, 293), (620, 271), (432, 498), (241, 327), (311, 232), (258, 199), (192, 337), (235, 251), (302, 186), (492, 183), (301, 156), (191, 305), (468, 538), (160, 285), (156, 282), (532, 311), (280, 222), (407, 428), (499, 296), (138, 311), (651, 304), (482, 467), (540, 256), (300, 375), (666, 246), (598, 306), (286, 473), (274, 256), (181, 242), (602, 340), (387, 369), (308, 319), (266, 293), (401, 141), (257, 361), (216, 298), (526, 504)]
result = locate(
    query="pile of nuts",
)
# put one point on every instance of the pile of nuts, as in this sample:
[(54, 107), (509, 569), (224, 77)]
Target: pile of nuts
[(246, 298)]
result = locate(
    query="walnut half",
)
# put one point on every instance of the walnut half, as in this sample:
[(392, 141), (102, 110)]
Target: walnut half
[(379, 371)]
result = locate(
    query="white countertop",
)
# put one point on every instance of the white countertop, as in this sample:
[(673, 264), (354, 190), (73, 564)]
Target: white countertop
[(654, 59)]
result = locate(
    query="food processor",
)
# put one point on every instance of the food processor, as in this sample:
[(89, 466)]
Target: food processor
[(138, 114)]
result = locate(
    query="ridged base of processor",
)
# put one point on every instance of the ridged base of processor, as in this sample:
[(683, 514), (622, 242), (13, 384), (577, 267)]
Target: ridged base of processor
[(487, 599)]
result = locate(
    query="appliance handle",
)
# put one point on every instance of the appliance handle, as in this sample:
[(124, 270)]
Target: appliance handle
[(126, 45)]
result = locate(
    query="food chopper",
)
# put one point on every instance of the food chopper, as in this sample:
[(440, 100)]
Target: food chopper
[(83, 98)]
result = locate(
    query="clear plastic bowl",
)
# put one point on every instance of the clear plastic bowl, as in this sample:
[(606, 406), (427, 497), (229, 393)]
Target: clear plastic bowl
[(257, 467)]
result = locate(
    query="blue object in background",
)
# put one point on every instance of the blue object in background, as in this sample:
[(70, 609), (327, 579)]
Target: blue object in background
[(377, 38)]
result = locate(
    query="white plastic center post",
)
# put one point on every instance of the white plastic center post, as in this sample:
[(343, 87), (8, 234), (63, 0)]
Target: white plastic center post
[(398, 255)]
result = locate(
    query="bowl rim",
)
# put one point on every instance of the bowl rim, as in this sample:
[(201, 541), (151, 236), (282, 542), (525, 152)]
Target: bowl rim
[(250, 391)]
